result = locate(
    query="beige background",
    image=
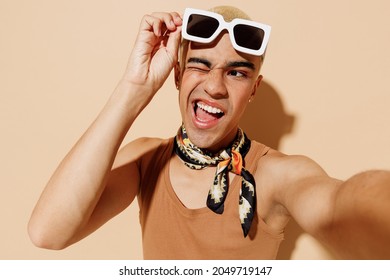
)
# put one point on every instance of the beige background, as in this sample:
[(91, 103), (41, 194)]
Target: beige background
[(326, 95)]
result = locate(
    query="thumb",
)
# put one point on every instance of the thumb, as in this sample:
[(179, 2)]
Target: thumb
[(173, 43)]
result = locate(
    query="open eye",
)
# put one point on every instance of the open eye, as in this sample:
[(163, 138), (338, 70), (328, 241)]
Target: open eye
[(237, 73)]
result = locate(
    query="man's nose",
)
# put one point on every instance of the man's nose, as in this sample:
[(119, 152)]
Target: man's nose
[(214, 84)]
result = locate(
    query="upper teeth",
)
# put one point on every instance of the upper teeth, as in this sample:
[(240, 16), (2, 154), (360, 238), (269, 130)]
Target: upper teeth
[(209, 109)]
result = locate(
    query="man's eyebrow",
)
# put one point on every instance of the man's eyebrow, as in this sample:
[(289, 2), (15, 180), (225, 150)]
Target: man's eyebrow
[(246, 64), (199, 60)]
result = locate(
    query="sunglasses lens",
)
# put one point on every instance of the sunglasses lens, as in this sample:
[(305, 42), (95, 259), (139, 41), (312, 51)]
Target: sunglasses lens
[(249, 37), (201, 26)]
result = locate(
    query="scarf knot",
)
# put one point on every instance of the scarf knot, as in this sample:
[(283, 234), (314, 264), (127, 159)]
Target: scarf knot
[(228, 160), (236, 163)]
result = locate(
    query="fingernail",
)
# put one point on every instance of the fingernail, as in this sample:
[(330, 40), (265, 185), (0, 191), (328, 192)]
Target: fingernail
[(178, 20)]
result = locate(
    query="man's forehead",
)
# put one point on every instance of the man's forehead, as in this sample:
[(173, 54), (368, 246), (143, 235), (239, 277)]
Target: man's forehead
[(220, 52)]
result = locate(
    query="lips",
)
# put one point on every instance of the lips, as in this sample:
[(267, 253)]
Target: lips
[(207, 114)]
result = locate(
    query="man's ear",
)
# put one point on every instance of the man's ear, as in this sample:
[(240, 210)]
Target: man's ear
[(177, 75), (256, 85)]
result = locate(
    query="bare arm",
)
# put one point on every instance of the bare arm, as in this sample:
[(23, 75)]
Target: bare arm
[(351, 218), (83, 192), (360, 227)]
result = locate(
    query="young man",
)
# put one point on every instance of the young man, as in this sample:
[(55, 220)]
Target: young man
[(209, 192)]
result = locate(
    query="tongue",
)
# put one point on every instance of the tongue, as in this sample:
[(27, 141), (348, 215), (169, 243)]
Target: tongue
[(204, 116)]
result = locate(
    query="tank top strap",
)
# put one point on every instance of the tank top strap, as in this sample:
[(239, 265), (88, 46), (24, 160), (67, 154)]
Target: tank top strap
[(257, 151)]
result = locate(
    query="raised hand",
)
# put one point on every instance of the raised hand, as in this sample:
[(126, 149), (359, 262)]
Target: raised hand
[(155, 51)]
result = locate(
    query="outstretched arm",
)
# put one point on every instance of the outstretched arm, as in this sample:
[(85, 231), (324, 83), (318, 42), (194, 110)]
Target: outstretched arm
[(351, 218), (83, 192), (360, 227)]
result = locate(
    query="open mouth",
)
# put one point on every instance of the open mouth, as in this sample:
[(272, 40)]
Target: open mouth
[(207, 113)]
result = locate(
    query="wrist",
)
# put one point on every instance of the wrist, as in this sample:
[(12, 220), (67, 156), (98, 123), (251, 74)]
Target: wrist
[(131, 98)]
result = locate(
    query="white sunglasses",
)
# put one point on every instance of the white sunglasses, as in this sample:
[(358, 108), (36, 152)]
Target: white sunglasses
[(246, 36)]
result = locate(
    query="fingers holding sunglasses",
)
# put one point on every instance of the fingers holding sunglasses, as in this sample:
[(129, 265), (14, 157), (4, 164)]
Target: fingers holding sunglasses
[(164, 56), (155, 31), (167, 29), (160, 24), (163, 23), (156, 49)]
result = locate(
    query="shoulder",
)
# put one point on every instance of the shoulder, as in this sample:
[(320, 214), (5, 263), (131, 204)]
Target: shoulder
[(284, 175), (277, 165), (299, 186), (144, 144), (135, 150)]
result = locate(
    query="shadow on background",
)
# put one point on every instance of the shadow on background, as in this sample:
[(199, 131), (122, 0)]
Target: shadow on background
[(266, 121)]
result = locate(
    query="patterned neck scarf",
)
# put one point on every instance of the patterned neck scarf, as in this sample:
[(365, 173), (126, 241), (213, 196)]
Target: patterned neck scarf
[(228, 160)]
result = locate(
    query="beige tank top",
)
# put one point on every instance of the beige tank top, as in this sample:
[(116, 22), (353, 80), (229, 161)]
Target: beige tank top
[(172, 231)]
